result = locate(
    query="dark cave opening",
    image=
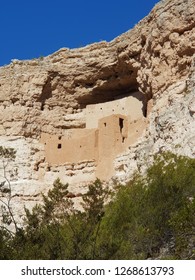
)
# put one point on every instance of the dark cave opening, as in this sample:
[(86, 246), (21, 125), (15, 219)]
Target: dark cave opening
[(113, 84)]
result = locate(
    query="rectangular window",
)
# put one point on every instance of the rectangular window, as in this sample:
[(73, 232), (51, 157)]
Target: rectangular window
[(121, 124)]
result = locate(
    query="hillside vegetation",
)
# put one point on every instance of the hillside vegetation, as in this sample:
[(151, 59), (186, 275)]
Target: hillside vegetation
[(151, 217)]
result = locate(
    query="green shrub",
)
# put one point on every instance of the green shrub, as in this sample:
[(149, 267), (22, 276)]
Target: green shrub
[(152, 214), (153, 211)]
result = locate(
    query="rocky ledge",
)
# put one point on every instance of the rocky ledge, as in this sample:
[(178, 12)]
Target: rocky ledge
[(50, 95)]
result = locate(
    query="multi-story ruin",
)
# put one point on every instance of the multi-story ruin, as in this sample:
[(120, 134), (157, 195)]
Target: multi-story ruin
[(110, 128)]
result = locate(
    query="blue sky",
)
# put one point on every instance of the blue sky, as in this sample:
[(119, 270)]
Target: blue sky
[(34, 28)]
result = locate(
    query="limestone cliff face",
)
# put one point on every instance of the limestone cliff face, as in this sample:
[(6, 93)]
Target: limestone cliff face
[(50, 95)]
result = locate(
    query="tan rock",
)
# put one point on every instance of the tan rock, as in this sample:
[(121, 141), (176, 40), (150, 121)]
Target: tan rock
[(146, 75)]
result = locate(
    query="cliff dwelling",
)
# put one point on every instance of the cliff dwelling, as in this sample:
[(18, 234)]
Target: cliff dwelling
[(110, 127), (106, 114)]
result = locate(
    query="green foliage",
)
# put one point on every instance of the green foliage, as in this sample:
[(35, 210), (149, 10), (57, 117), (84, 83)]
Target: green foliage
[(151, 214), (56, 230), (154, 211)]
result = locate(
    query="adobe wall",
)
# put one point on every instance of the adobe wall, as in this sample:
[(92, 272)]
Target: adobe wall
[(108, 133), (132, 106), (113, 133), (77, 145), (100, 145)]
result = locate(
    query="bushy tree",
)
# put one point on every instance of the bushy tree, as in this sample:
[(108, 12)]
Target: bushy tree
[(153, 212), (153, 216), (56, 230)]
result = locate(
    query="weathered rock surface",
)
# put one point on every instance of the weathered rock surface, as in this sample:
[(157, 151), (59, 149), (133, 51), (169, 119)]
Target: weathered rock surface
[(50, 95)]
